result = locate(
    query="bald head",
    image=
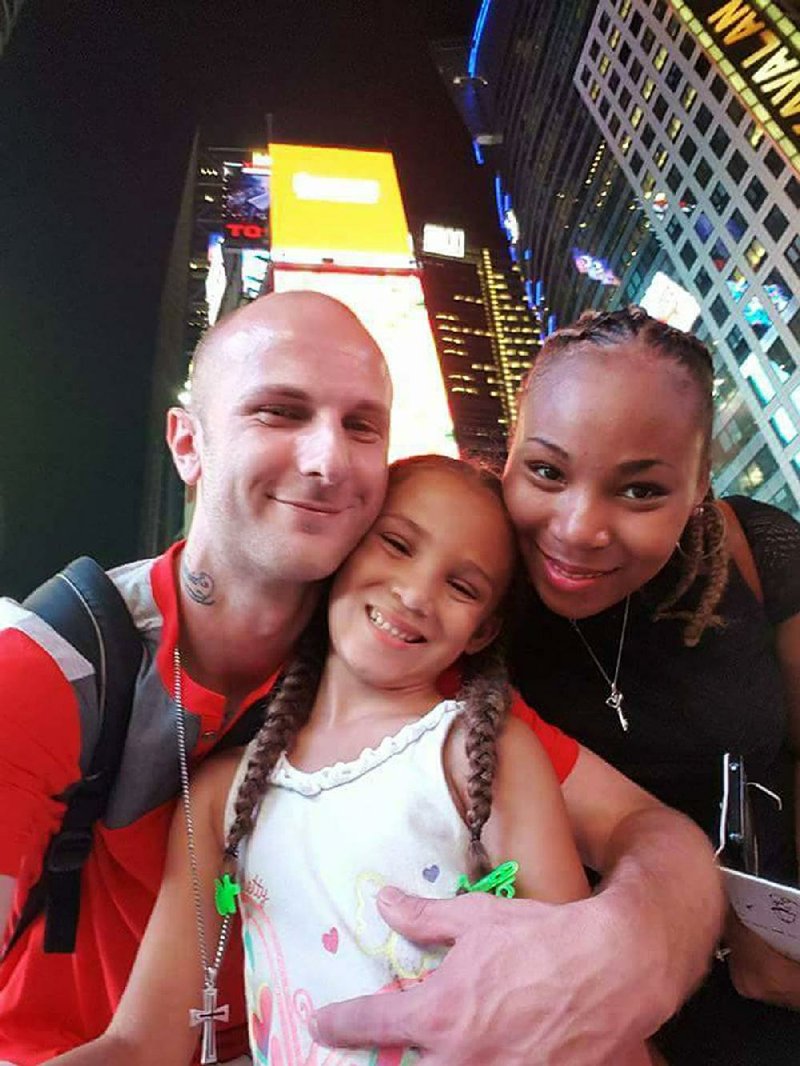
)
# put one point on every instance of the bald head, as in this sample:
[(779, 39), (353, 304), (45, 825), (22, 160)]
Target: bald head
[(285, 438), (306, 321)]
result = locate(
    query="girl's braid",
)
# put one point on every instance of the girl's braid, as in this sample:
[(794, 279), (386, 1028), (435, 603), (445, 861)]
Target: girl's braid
[(486, 696), (286, 714)]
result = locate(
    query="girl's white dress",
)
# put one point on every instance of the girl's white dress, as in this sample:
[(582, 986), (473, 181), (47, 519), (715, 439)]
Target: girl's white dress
[(323, 846)]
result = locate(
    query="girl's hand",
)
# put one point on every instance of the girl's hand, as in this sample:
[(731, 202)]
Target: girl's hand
[(759, 971)]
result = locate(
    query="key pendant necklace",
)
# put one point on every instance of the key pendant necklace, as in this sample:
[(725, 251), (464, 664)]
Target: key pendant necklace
[(615, 697), (226, 891)]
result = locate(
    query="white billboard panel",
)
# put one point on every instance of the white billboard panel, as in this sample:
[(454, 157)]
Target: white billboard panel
[(392, 308)]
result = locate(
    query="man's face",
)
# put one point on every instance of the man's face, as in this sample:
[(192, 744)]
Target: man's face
[(292, 443)]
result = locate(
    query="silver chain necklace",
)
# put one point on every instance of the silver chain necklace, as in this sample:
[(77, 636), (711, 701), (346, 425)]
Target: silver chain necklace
[(615, 697), (210, 1013)]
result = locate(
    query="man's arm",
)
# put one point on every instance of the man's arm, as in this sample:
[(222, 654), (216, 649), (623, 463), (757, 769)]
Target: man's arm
[(151, 1023), (39, 754), (660, 880), (578, 984)]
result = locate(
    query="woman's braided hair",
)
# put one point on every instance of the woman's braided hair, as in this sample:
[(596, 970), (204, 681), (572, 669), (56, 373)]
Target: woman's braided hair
[(484, 691), (702, 547)]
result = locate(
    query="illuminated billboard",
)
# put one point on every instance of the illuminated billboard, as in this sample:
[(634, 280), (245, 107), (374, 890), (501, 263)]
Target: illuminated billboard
[(666, 300), (337, 207), (443, 240), (596, 269), (246, 195), (392, 308), (756, 46), (216, 279)]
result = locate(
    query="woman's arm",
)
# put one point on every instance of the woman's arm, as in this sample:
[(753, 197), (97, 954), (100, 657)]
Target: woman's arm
[(151, 1023), (757, 970)]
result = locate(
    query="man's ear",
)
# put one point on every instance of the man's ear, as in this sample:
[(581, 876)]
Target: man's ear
[(484, 634), (184, 439)]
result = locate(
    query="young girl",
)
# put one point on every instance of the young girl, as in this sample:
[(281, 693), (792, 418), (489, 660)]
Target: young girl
[(361, 776)]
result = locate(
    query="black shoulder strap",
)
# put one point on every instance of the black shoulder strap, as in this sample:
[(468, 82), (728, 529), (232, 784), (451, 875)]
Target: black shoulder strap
[(84, 606)]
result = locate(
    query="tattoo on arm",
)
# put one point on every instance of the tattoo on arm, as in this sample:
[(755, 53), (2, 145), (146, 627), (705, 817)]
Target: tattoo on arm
[(199, 585)]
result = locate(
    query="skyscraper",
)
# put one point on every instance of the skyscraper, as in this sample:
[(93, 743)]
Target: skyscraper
[(698, 102), (486, 336), (659, 158)]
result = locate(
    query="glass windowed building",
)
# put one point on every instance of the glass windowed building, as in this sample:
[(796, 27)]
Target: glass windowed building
[(714, 164), (486, 337), (657, 163)]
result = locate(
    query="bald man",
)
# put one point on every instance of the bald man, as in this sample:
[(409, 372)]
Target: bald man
[(285, 442)]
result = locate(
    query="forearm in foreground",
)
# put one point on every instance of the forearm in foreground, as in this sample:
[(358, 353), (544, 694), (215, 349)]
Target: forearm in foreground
[(663, 893)]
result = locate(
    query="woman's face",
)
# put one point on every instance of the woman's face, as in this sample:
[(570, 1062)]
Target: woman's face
[(607, 463)]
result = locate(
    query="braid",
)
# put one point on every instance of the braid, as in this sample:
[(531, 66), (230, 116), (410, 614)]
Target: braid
[(703, 542), (487, 697), (286, 714)]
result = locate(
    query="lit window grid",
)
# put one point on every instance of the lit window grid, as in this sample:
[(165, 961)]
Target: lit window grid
[(510, 360), (777, 196), (756, 226), (762, 415), (735, 79)]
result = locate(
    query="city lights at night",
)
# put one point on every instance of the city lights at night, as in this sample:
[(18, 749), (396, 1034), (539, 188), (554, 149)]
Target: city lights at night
[(400, 533)]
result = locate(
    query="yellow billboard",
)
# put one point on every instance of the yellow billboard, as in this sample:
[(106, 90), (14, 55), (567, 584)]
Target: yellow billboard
[(339, 208)]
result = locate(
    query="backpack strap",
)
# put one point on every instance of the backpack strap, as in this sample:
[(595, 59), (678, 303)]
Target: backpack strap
[(740, 550), (83, 605)]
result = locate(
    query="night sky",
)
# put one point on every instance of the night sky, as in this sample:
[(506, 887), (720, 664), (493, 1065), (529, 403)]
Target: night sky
[(98, 105)]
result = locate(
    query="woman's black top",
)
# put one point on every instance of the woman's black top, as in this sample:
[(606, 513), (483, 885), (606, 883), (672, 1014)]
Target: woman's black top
[(685, 706)]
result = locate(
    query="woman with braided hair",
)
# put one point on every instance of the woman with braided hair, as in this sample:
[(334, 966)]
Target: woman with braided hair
[(643, 637)]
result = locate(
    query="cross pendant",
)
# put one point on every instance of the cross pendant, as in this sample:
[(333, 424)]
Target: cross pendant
[(615, 702), (206, 1017)]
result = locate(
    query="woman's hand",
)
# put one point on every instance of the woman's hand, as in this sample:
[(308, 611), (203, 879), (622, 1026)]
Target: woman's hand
[(759, 971)]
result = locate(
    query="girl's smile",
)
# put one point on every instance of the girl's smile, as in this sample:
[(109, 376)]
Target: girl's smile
[(424, 585)]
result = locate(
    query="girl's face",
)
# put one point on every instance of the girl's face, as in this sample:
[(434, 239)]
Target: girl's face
[(607, 463), (425, 583)]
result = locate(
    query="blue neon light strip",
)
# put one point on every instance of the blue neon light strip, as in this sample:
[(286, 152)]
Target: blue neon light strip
[(498, 195), (477, 33), (476, 151)]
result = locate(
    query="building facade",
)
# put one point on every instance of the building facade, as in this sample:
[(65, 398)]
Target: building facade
[(699, 105), (656, 163), (486, 337)]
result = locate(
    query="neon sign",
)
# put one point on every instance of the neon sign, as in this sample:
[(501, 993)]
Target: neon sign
[(763, 52), (246, 229)]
